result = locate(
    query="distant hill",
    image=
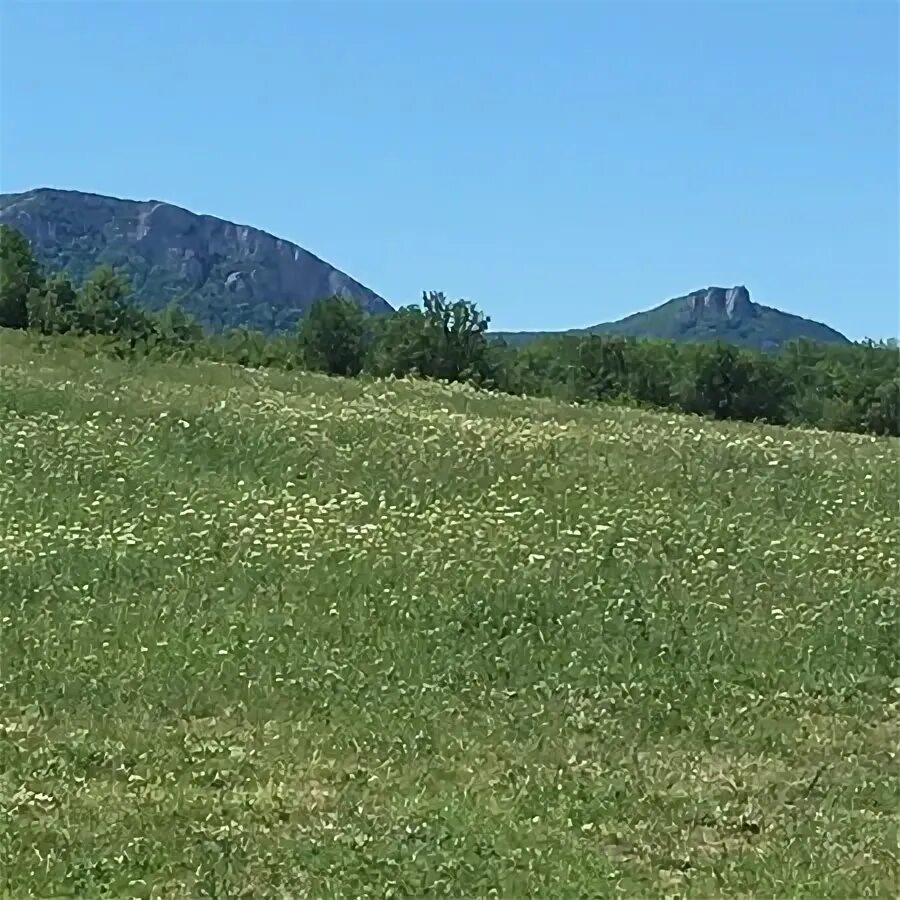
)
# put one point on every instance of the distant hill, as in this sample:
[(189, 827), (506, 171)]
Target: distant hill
[(225, 274), (713, 313)]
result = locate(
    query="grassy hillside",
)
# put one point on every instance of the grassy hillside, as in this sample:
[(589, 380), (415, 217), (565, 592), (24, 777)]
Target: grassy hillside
[(276, 635)]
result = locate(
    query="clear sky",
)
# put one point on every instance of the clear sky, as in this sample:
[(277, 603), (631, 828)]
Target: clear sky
[(560, 163)]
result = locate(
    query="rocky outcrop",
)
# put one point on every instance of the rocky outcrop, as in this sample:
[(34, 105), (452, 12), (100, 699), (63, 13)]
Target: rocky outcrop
[(226, 274), (732, 303)]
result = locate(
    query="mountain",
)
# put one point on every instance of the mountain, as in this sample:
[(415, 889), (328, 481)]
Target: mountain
[(713, 313), (228, 274), (223, 273)]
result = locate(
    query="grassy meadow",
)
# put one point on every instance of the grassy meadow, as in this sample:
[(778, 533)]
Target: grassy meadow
[(277, 635)]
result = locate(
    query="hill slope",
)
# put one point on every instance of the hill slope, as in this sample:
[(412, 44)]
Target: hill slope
[(225, 274), (713, 313), (544, 651)]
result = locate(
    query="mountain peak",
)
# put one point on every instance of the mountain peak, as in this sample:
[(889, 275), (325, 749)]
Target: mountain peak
[(731, 303), (709, 314), (719, 313)]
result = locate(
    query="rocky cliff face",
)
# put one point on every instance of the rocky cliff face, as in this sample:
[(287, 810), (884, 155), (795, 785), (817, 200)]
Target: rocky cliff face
[(224, 273), (731, 303)]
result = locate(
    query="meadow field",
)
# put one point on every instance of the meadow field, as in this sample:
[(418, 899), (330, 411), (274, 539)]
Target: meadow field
[(278, 635)]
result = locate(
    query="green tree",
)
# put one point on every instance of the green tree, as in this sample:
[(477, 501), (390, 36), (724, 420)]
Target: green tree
[(400, 343), (332, 336), (176, 328), (651, 366), (20, 275), (602, 369), (52, 307), (728, 382), (440, 340), (102, 304), (459, 344), (882, 415), (548, 366)]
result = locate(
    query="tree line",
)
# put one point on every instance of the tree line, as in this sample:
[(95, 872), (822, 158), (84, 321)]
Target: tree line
[(853, 387)]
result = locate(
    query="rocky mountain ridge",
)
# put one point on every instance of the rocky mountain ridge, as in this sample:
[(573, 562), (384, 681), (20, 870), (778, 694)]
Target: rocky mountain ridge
[(224, 273)]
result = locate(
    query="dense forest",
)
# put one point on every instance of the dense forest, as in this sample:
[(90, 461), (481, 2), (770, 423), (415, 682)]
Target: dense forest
[(853, 387)]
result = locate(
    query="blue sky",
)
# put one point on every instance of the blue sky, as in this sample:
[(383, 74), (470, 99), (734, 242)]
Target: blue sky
[(559, 163)]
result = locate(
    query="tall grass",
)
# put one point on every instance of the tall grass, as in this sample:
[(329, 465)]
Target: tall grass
[(277, 635)]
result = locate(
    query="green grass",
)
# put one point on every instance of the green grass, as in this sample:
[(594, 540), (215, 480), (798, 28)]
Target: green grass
[(275, 635)]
